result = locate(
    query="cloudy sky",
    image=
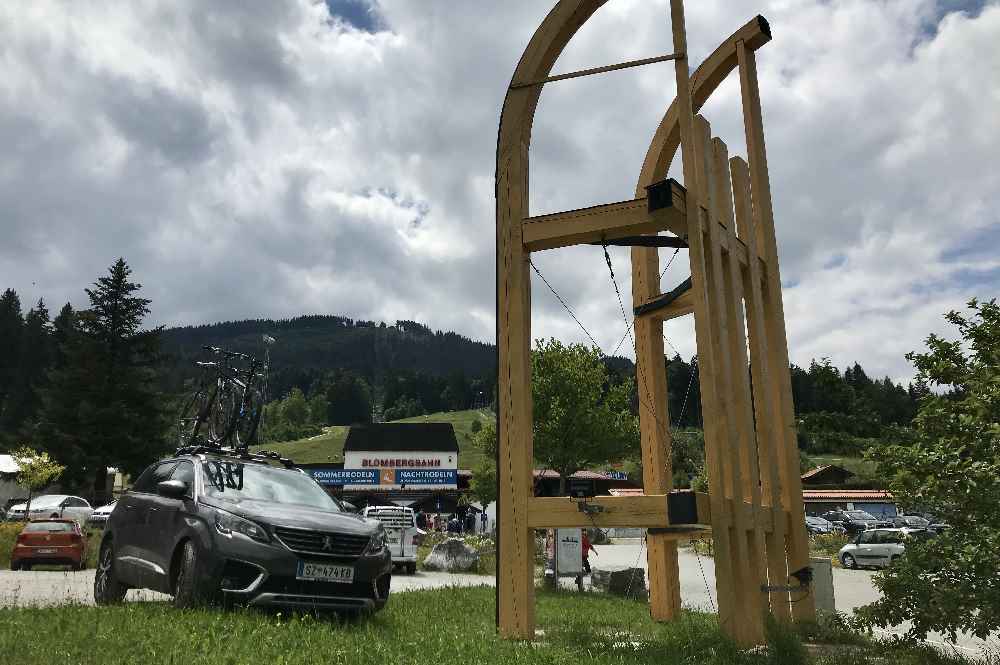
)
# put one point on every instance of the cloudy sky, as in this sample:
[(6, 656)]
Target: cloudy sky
[(271, 159)]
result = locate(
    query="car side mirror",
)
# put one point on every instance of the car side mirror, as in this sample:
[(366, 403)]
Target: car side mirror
[(174, 489)]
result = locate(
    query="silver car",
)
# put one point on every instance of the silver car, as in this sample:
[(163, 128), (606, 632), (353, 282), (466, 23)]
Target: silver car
[(53, 506), (877, 547)]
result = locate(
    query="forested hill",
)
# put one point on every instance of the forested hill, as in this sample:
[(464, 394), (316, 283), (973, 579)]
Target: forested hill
[(307, 347)]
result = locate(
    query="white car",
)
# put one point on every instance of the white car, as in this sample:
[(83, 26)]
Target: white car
[(100, 515), (402, 536), (53, 505), (877, 547)]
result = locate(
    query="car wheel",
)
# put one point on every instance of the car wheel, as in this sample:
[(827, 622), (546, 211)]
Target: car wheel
[(108, 590), (849, 562), (411, 568), (186, 591), (15, 565)]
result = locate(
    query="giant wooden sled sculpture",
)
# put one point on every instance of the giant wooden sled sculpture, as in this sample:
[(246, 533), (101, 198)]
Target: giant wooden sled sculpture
[(722, 215)]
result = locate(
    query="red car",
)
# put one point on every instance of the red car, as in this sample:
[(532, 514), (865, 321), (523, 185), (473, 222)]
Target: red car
[(49, 542)]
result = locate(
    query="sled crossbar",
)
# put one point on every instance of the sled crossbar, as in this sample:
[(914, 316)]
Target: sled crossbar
[(663, 301), (598, 70)]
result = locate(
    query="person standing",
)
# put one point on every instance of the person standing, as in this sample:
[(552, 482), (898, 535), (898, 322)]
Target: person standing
[(484, 518), (587, 547)]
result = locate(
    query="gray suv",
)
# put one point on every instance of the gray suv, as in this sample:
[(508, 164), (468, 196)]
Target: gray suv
[(211, 527)]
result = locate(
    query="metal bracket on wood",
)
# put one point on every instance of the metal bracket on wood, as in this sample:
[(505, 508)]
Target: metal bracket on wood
[(663, 300), (645, 241)]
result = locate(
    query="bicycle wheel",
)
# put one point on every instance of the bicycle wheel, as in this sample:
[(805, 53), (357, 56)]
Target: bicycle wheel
[(249, 416), (225, 412), (194, 414)]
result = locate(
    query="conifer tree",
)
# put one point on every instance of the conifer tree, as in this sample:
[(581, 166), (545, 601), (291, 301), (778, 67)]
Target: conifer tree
[(103, 406), (11, 326)]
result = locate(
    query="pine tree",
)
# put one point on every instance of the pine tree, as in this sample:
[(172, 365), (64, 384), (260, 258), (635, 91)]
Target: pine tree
[(11, 327), (33, 359), (103, 407)]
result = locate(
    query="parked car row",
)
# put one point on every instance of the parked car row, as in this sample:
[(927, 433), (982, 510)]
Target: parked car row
[(60, 506), (853, 522)]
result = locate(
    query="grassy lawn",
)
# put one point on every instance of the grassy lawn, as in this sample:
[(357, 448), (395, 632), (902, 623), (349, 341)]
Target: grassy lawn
[(859, 466), (329, 446), (442, 626)]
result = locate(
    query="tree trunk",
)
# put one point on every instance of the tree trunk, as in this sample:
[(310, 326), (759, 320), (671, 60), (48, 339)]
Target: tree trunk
[(27, 506), (100, 484)]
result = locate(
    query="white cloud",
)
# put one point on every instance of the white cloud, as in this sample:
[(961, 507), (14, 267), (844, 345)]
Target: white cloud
[(265, 160)]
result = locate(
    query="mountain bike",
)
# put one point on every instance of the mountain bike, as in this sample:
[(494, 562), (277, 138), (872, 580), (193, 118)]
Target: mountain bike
[(227, 402)]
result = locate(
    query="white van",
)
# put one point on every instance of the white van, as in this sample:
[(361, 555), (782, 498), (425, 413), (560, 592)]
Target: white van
[(401, 533)]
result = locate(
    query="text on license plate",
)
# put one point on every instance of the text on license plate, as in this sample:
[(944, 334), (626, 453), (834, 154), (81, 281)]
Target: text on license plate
[(47, 550), (324, 572)]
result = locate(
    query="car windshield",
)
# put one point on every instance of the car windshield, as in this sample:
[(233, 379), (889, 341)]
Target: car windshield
[(49, 527), (816, 520), (913, 520), (860, 515), (237, 482)]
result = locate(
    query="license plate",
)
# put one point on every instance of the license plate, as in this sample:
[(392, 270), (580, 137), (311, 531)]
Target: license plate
[(47, 550), (324, 572)]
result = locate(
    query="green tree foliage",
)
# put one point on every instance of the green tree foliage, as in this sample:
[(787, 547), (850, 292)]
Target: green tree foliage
[(103, 406), (581, 419), (31, 360), (295, 416), (951, 467), (483, 486), (348, 397), (11, 327), (35, 471)]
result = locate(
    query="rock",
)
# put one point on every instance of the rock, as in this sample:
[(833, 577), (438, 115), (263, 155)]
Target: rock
[(452, 556), (620, 580)]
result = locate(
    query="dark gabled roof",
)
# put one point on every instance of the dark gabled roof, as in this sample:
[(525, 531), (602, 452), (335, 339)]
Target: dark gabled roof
[(402, 437), (829, 470)]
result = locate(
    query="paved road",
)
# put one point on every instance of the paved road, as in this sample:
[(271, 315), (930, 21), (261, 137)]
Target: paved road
[(45, 588)]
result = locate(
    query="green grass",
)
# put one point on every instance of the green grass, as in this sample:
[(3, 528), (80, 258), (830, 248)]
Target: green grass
[(329, 446), (325, 447), (859, 466), (441, 626)]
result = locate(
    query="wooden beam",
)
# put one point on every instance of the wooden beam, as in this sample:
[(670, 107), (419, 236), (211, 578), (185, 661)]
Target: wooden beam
[(681, 510), (596, 223)]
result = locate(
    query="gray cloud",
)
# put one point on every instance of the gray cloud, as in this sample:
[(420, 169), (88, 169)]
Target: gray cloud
[(274, 159)]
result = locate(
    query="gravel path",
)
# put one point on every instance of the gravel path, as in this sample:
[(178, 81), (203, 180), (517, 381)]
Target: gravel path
[(46, 588)]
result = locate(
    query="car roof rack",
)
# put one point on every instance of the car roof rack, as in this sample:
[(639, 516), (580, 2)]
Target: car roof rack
[(242, 453)]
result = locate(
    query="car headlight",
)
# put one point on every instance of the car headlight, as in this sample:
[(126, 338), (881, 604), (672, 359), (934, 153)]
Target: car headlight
[(377, 543), (227, 524)]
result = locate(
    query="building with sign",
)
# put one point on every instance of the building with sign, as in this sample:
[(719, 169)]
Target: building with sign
[(400, 463)]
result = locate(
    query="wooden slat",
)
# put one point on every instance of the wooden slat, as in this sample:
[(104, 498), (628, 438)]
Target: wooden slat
[(695, 184), (797, 543), (746, 476), (728, 435), (777, 570)]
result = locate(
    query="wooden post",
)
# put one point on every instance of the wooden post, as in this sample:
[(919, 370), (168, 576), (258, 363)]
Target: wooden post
[(515, 563), (657, 471)]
